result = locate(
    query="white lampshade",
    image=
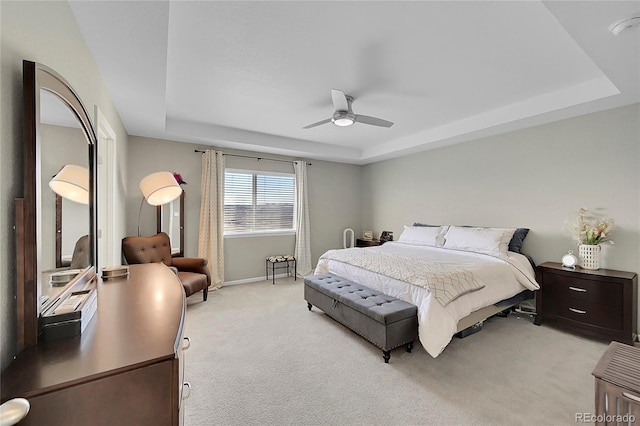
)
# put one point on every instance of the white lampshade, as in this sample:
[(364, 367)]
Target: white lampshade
[(72, 183), (160, 188)]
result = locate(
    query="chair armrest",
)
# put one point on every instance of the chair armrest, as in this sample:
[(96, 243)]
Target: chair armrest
[(192, 264)]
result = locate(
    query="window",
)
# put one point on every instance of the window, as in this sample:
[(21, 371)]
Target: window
[(258, 202)]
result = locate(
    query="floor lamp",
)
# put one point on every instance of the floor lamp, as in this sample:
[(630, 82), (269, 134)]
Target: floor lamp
[(158, 188)]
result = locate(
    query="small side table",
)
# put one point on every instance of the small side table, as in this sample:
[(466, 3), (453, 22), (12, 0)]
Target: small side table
[(617, 376), (281, 261), (368, 243)]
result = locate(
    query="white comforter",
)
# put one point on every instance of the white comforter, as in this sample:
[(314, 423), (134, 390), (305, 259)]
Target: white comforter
[(437, 324)]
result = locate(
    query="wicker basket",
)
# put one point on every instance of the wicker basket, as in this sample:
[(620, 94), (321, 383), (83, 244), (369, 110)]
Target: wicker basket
[(589, 256)]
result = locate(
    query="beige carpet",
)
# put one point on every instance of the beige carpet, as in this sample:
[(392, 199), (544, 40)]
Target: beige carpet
[(259, 357)]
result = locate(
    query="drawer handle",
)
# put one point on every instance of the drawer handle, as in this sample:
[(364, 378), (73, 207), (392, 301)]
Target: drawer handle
[(631, 397), (577, 311), (581, 290), (187, 343), (188, 385)]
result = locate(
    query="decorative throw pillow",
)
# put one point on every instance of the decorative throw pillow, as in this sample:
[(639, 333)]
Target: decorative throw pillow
[(515, 245), (492, 241), (420, 235)]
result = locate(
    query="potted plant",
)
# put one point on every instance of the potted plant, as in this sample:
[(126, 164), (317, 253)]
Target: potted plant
[(590, 231)]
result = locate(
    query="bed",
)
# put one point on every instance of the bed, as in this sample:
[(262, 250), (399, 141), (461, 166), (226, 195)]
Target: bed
[(456, 276)]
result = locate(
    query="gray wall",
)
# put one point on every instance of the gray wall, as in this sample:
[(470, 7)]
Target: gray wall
[(44, 32), (535, 178), (334, 202)]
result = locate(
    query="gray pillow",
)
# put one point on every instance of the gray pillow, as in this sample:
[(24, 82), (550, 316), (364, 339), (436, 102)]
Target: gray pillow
[(515, 244)]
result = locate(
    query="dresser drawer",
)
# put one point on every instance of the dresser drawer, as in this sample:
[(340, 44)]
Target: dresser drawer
[(583, 311), (560, 286)]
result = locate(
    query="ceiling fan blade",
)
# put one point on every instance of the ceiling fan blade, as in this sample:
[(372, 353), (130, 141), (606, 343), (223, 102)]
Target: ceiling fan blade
[(328, 120), (339, 99), (365, 119)]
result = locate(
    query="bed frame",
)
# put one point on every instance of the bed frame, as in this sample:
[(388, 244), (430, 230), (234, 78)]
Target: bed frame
[(489, 311)]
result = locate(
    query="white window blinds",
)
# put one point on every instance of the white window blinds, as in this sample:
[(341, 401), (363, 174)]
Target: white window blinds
[(258, 201)]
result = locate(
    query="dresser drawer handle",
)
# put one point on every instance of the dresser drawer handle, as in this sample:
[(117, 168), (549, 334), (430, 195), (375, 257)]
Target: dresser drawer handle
[(631, 397), (581, 290), (577, 311)]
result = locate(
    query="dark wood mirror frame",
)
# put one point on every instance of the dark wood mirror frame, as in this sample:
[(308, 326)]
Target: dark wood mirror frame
[(159, 224), (59, 262), (36, 77)]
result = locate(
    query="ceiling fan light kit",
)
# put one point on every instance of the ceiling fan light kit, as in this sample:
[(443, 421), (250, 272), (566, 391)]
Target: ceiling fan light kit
[(343, 115), (624, 24), (342, 120)]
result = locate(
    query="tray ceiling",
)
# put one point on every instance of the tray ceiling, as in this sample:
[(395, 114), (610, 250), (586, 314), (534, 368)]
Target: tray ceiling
[(249, 75)]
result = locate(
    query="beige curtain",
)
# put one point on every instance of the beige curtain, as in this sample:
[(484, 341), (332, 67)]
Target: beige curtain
[(211, 238), (303, 233)]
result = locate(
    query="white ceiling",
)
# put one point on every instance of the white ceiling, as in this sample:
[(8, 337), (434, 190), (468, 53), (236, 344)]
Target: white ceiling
[(249, 75)]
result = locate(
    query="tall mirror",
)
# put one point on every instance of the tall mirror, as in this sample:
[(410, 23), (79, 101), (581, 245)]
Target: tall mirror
[(59, 194), (170, 220)]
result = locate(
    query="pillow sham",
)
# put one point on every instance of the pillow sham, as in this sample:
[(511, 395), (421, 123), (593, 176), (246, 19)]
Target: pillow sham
[(421, 235), (440, 237), (491, 241)]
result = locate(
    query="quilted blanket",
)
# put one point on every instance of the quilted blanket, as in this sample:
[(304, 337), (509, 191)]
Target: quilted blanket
[(445, 282)]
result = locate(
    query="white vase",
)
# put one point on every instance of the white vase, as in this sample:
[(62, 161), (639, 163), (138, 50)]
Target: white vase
[(589, 256)]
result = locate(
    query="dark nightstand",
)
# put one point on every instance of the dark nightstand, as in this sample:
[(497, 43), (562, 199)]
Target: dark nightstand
[(600, 303), (368, 243)]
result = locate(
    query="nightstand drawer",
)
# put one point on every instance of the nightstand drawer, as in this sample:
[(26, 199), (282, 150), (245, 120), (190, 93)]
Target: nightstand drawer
[(594, 313), (559, 286)]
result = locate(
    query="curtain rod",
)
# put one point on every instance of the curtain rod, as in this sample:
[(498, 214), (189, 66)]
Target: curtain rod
[(251, 156)]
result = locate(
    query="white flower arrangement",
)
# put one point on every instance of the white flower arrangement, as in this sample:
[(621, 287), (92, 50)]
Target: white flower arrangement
[(591, 229)]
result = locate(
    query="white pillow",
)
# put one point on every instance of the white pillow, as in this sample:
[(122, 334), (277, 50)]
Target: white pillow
[(422, 235), (492, 241)]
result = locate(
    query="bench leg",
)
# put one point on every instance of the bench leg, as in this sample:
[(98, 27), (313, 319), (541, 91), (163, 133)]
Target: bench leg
[(387, 356), (409, 346), (309, 305)]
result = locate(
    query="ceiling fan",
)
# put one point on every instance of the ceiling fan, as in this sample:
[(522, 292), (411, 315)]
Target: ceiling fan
[(344, 116)]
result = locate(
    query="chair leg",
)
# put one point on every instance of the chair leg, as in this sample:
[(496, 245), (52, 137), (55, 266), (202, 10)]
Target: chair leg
[(205, 293)]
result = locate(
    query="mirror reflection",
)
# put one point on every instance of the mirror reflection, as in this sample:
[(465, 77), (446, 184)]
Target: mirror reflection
[(64, 197), (170, 220)]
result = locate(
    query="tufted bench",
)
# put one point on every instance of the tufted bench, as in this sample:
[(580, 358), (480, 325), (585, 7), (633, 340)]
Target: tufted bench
[(383, 320)]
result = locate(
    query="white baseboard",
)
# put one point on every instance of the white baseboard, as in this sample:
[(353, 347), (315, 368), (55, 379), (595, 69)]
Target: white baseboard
[(252, 280)]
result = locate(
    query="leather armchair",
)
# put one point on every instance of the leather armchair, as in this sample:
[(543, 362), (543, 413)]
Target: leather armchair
[(80, 258), (192, 271)]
